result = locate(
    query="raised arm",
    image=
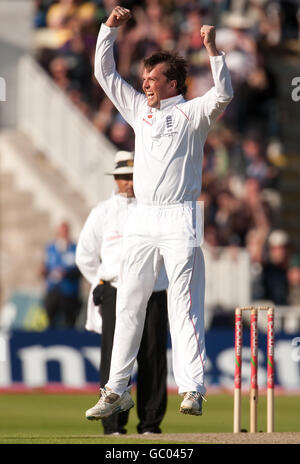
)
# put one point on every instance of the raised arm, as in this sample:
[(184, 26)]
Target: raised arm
[(125, 98), (213, 103), (221, 76)]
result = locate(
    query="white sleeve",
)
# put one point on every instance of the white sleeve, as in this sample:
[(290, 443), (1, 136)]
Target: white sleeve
[(125, 98), (88, 250), (206, 109)]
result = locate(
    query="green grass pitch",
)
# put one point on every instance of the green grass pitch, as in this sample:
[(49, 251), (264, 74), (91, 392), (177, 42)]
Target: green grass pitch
[(59, 418)]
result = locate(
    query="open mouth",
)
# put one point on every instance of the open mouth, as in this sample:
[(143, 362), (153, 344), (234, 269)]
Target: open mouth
[(151, 98)]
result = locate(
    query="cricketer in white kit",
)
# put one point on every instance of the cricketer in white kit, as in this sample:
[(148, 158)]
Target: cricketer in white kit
[(170, 133)]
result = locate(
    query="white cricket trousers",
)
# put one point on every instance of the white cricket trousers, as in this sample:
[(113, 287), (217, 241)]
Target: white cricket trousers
[(156, 234)]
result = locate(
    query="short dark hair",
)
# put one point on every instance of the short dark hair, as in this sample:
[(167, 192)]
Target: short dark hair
[(176, 70)]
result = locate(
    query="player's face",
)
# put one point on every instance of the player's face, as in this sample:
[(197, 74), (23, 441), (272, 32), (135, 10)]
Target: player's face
[(125, 184), (156, 86)]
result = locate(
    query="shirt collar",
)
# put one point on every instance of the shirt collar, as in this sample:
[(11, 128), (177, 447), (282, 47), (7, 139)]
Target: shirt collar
[(168, 103), (123, 199)]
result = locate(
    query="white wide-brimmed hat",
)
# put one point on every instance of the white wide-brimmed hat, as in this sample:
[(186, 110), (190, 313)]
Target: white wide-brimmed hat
[(278, 238), (123, 163)]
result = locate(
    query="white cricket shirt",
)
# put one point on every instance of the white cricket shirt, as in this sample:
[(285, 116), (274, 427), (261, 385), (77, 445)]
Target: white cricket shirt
[(168, 141)]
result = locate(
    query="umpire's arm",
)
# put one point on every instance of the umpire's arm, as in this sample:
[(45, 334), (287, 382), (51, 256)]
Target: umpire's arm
[(88, 247)]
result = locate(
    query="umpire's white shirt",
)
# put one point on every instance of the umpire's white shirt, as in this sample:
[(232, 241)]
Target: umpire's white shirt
[(99, 249), (168, 141)]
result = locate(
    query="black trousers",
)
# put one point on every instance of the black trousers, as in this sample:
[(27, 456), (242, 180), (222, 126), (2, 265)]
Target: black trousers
[(152, 363), (62, 310)]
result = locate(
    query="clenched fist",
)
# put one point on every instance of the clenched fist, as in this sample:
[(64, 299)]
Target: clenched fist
[(118, 16), (208, 33)]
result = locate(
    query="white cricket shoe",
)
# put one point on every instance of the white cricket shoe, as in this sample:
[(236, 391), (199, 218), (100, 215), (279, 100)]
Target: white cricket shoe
[(108, 404), (192, 403)]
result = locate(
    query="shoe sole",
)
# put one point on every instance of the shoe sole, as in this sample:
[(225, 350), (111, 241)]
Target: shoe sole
[(191, 412), (116, 410)]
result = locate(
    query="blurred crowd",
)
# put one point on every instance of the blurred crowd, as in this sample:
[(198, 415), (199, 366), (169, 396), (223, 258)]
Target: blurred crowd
[(244, 152)]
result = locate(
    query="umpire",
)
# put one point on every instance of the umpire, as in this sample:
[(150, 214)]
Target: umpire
[(98, 258)]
